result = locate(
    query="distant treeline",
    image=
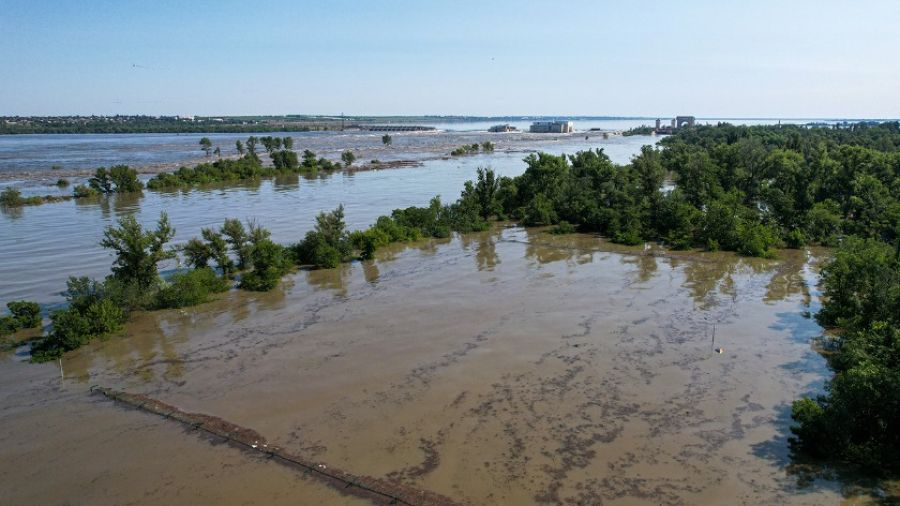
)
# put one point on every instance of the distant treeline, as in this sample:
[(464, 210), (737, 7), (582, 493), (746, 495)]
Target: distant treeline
[(151, 124)]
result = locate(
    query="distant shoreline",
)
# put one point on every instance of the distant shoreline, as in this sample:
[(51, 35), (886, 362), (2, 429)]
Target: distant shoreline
[(516, 142)]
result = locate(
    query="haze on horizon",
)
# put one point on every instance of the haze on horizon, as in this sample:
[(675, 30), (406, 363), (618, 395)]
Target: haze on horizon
[(805, 59)]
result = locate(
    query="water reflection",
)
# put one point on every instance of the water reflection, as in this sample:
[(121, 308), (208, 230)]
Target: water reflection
[(287, 182), (485, 246), (788, 280), (646, 265), (370, 271), (330, 279), (126, 203), (576, 249), (13, 213), (702, 276)]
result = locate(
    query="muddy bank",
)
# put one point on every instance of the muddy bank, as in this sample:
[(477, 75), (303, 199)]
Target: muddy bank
[(509, 367)]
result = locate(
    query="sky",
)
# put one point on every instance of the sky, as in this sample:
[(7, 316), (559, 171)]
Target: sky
[(772, 59)]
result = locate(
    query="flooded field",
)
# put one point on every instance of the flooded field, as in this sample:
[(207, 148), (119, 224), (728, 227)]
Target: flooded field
[(507, 367), (43, 245)]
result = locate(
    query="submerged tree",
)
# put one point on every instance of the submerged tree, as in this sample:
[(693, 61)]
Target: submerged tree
[(206, 145), (348, 157), (138, 251)]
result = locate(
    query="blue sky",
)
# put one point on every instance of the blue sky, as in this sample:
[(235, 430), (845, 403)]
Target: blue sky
[(788, 58)]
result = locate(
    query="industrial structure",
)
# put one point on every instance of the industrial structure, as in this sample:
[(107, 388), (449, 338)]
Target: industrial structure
[(676, 123), (503, 128), (552, 127)]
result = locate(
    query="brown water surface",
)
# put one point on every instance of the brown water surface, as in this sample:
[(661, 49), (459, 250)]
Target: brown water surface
[(508, 367)]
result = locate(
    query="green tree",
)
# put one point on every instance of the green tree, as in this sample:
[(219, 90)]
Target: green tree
[(240, 147), (101, 182), (218, 250), (206, 145), (237, 238), (138, 251), (386, 139), (11, 197), (125, 179), (270, 262), (196, 253), (348, 157), (288, 143)]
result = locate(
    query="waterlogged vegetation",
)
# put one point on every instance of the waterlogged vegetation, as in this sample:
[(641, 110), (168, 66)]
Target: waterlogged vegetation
[(746, 189), (471, 149), (117, 179), (248, 167), (857, 422), (22, 315), (11, 197)]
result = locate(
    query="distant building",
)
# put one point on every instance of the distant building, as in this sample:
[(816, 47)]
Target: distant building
[(503, 128), (676, 123), (552, 127), (681, 121)]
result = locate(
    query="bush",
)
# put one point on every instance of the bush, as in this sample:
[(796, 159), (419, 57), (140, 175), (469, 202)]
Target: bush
[(11, 197), (70, 329), (270, 262), (756, 240), (327, 245), (190, 288), (315, 250), (81, 191), (564, 227), (796, 239), (104, 317), (539, 211), (62, 183), (125, 179), (27, 314), (8, 325)]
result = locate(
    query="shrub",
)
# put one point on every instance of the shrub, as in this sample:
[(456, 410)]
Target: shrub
[(327, 245), (270, 262), (756, 240), (138, 251), (539, 211), (125, 179), (70, 329), (563, 227), (81, 191), (190, 288), (796, 239), (11, 197), (8, 325), (27, 314), (62, 182), (348, 157), (103, 317)]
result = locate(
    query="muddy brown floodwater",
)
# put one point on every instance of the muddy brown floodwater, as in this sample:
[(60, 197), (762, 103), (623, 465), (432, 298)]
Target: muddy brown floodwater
[(508, 367)]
